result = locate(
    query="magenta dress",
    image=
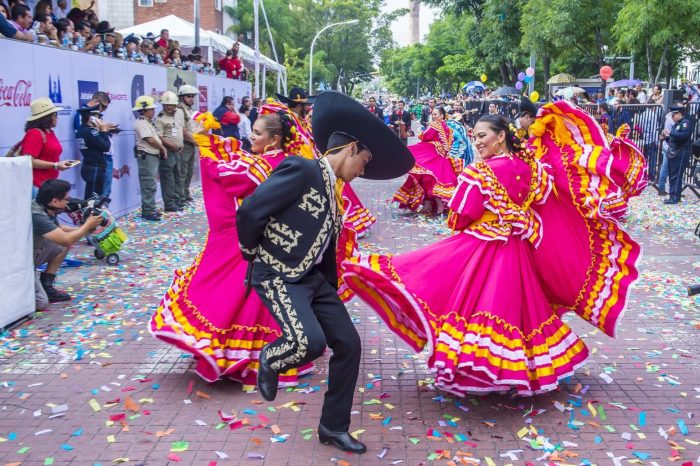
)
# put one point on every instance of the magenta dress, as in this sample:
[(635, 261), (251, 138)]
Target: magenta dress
[(534, 240), (434, 176), (205, 310)]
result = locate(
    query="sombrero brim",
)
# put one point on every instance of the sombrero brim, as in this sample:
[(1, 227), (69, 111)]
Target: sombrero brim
[(287, 101), (335, 111), (43, 114)]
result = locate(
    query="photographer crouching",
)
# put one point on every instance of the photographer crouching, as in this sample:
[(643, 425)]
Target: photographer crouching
[(51, 240)]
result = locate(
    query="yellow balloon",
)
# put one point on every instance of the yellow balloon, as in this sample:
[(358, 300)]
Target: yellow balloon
[(535, 96), (484, 78)]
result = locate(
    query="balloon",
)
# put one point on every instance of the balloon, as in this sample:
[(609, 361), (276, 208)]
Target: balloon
[(484, 78), (530, 71), (527, 79), (535, 96), (606, 72), (521, 76), (519, 85)]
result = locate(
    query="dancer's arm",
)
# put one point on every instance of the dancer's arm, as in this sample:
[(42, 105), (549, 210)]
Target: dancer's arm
[(467, 203)]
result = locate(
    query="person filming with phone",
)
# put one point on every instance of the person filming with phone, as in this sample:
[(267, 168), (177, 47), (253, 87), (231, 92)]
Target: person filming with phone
[(52, 240), (93, 142), (41, 144)]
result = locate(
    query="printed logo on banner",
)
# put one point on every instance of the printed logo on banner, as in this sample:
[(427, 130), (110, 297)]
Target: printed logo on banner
[(55, 90), (203, 98), (118, 173), (138, 88), (85, 91), (17, 94), (117, 97)]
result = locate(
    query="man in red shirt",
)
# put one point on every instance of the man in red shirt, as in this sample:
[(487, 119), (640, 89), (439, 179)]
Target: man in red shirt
[(231, 64), (164, 37)]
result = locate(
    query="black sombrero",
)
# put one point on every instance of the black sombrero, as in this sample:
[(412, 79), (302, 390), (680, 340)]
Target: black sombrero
[(335, 111), (297, 95)]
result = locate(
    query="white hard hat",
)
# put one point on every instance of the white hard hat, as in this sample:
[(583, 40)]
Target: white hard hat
[(169, 98), (186, 89)]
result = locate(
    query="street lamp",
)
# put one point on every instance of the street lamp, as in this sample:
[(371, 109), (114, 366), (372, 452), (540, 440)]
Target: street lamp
[(313, 42)]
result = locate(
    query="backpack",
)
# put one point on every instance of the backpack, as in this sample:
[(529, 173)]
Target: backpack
[(16, 150)]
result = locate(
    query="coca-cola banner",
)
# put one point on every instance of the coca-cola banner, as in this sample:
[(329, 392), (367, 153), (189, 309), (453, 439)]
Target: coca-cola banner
[(69, 79)]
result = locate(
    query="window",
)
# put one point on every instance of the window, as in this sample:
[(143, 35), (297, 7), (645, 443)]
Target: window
[(217, 5), (147, 3)]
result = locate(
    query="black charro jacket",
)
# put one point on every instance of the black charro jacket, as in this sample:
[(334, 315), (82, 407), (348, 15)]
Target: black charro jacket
[(285, 224)]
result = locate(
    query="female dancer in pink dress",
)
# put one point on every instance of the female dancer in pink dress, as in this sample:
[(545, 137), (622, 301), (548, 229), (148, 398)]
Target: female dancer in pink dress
[(533, 241), (433, 179), (206, 310)]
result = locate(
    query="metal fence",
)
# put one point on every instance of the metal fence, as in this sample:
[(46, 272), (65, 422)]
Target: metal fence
[(646, 122)]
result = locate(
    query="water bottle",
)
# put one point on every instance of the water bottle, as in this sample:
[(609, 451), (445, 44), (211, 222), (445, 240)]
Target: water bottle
[(108, 49), (134, 56), (100, 49), (81, 42)]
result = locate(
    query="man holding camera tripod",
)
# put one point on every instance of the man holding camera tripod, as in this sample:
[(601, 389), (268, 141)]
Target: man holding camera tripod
[(51, 240)]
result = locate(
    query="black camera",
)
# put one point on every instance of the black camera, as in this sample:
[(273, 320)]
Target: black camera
[(84, 208)]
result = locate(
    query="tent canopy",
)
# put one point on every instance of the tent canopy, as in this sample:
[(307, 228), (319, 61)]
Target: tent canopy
[(183, 32)]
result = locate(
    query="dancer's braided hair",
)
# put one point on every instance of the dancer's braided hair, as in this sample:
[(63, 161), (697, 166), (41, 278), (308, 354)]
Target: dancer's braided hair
[(280, 124)]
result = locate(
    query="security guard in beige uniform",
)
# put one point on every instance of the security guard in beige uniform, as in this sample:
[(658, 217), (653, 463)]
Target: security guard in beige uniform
[(185, 166), (170, 128), (149, 150)]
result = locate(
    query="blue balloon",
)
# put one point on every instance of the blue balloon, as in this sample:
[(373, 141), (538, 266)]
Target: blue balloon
[(527, 79)]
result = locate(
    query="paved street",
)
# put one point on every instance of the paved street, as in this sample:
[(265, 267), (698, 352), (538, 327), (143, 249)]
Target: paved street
[(85, 383)]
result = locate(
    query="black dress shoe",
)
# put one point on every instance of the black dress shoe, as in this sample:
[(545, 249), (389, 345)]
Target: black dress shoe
[(267, 378), (671, 201), (342, 440)]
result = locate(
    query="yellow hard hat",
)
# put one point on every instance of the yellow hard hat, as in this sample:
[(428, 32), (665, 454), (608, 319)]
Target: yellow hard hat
[(169, 98), (144, 103)]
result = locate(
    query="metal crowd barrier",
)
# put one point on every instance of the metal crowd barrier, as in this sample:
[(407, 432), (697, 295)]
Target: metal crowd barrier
[(646, 122)]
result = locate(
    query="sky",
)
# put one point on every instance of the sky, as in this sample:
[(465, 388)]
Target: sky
[(400, 26)]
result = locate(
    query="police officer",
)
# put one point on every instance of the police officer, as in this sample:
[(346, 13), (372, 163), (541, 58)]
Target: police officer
[(170, 128), (678, 152), (93, 138), (149, 149), (185, 165)]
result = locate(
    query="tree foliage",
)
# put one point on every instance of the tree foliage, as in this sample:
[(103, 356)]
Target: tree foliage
[(340, 54), (660, 37)]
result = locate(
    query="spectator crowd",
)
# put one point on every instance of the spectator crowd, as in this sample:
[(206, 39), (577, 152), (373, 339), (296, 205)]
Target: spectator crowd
[(81, 30)]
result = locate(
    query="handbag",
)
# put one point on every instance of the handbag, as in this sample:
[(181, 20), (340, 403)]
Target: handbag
[(16, 150)]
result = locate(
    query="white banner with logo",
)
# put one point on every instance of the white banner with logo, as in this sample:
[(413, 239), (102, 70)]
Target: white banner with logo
[(69, 79)]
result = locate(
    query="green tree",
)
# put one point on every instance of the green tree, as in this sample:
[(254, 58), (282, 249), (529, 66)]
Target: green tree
[(663, 30), (538, 33)]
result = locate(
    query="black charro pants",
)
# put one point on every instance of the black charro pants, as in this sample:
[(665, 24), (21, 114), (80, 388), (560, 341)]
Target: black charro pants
[(311, 316)]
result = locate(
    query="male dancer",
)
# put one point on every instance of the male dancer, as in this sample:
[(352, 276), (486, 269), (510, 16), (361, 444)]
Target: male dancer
[(288, 230)]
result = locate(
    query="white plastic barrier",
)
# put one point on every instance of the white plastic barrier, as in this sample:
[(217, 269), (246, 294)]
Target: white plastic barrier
[(17, 264), (69, 79)]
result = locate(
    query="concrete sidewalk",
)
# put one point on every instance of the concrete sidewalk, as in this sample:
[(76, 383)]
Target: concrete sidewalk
[(85, 383)]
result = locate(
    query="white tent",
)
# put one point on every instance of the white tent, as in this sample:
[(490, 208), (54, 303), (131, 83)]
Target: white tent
[(183, 32)]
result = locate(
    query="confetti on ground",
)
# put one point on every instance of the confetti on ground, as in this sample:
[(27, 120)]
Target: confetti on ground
[(93, 363)]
